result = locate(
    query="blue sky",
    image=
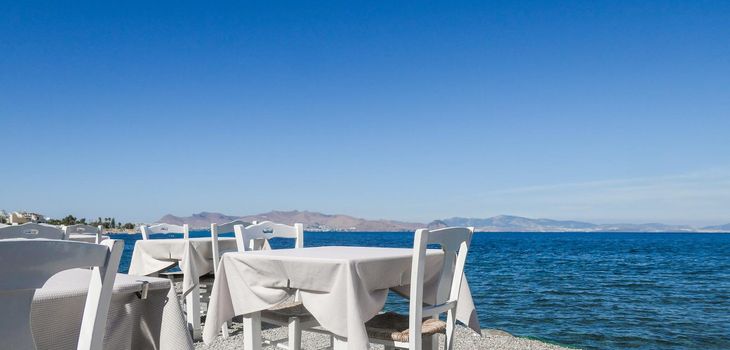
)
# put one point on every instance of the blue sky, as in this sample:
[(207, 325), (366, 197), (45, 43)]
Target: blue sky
[(602, 111)]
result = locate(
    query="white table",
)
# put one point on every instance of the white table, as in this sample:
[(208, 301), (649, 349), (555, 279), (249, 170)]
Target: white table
[(342, 287), (132, 323), (88, 238), (195, 258)]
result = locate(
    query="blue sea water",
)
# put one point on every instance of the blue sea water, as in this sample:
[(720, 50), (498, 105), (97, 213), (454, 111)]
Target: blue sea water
[(585, 290)]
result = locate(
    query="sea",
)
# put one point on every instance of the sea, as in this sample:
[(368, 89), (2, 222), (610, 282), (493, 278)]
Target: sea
[(582, 290)]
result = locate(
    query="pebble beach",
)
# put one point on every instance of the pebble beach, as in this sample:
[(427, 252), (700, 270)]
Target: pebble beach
[(465, 339)]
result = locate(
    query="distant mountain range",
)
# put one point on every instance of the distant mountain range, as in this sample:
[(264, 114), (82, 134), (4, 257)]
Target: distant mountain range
[(314, 221), (723, 228), (506, 223)]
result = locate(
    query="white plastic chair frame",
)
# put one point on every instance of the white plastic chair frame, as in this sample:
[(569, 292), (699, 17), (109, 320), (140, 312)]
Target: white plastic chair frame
[(84, 230), (164, 228), (25, 265), (255, 237), (454, 242), (215, 230), (31, 230)]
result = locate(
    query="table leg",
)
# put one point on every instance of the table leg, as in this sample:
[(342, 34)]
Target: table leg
[(252, 331), (192, 306), (339, 343)]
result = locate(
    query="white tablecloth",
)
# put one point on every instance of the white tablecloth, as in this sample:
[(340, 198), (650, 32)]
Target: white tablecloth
[(133, 323), (194, 255), (342, 287), (85, 238)]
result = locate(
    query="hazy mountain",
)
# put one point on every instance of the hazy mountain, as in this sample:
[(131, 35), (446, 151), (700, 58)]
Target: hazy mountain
[(724, 228), (650, 227), (314, 221), (518, 223), (507, 223), (437, 224)]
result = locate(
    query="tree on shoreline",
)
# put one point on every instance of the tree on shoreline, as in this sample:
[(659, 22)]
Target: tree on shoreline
[(106, 223)]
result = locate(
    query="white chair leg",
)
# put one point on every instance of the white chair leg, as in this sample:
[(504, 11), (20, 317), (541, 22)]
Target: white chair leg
[(192, 306), (339, 343), (252, 331), (224, 330), (430, 342), (450, 328), (295, 334)]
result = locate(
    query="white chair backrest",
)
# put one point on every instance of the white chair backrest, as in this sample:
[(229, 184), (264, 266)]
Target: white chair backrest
[(255, 237), (83, 229), (25, 265), (164, 228), (215, 230), (31, 230), (454, 242)]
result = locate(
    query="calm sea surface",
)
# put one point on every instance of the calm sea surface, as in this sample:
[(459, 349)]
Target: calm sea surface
[(585, 290)]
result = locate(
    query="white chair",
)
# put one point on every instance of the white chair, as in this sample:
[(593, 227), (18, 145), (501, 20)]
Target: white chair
[(192, 298), (256, 236), (164, 228), (215, 231), (208, 280), (31, 230), (83, 229), (291, 314), (25, 265), (412, 331), (184, 229)]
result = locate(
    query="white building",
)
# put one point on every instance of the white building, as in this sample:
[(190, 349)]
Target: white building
[(17, 218)]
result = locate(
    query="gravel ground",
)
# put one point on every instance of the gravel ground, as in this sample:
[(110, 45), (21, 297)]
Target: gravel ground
[(465, 339)]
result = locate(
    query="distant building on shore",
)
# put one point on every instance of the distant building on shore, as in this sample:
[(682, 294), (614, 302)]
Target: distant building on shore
[(17, 218)]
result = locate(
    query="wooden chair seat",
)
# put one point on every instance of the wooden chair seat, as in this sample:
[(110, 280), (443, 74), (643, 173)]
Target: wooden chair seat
[(290, 308), (279, 317), (394, 326)]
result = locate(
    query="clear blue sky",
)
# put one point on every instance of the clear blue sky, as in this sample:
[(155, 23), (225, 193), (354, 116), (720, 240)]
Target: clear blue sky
[(604, 111)]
